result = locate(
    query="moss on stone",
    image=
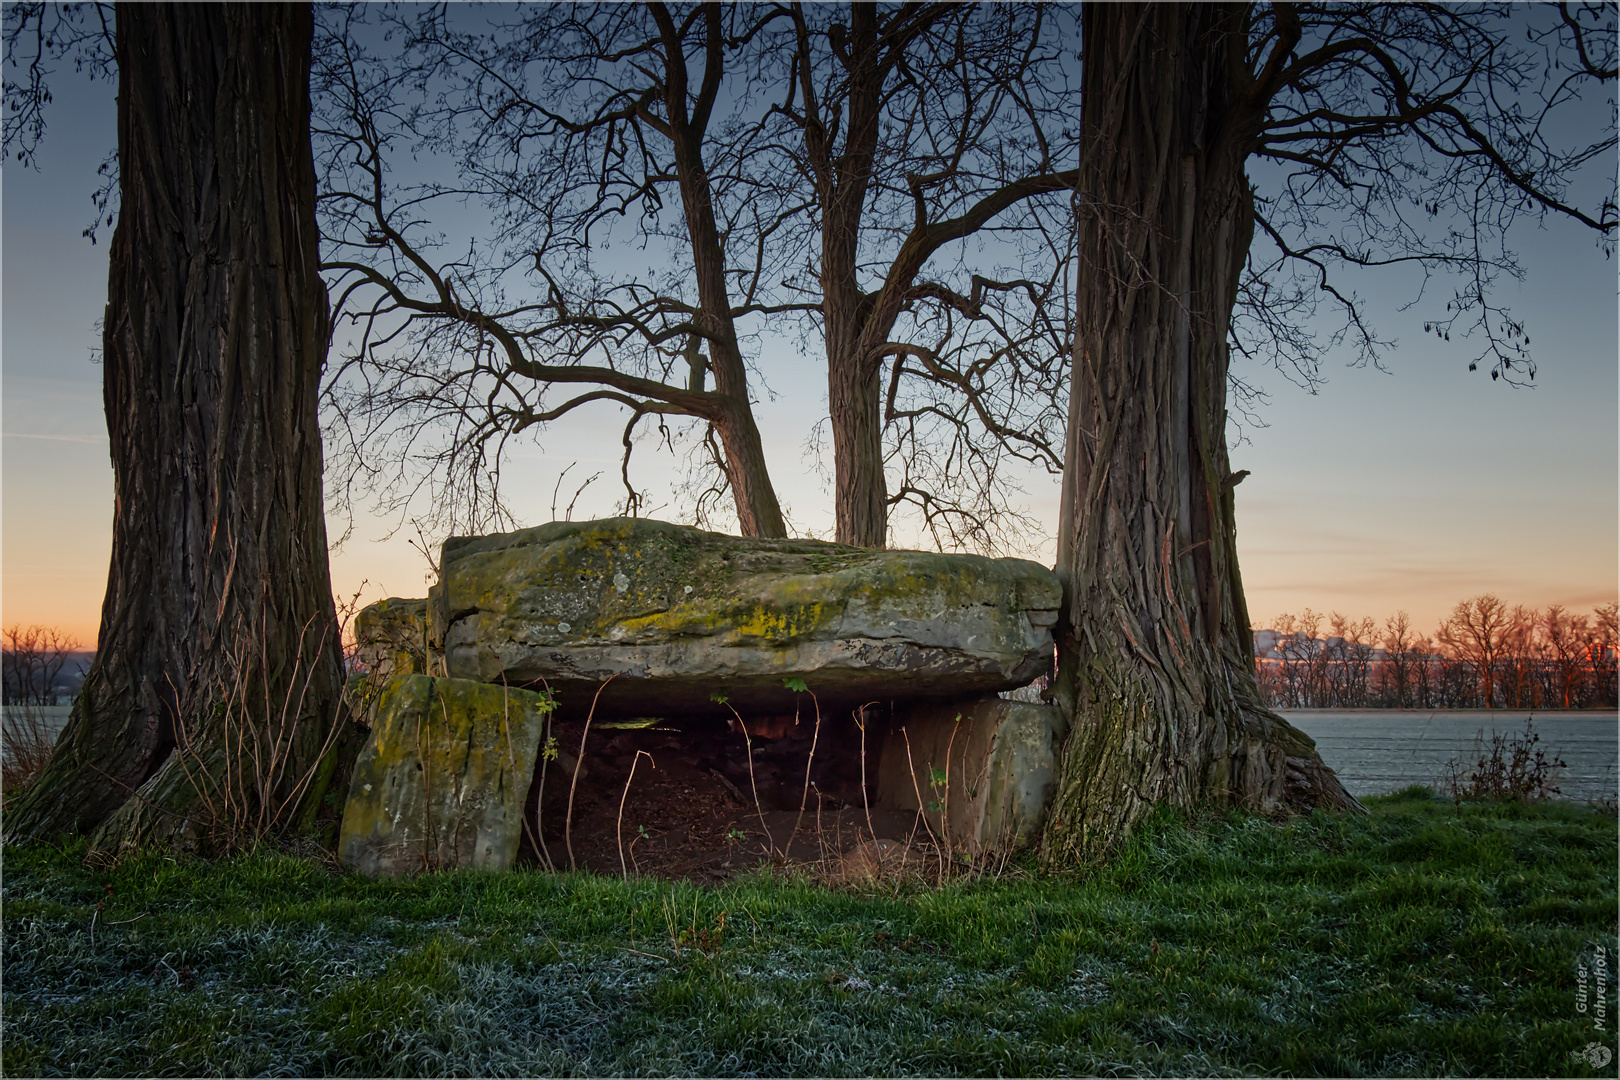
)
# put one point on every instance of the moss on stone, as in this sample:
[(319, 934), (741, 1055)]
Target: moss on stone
[(441, 780), (573, 603), (391, 636), (622, 579)]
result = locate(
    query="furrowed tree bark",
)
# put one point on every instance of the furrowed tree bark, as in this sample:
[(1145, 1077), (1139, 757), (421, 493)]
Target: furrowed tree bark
[(860, 491), (218, 677), (1155, 659), (759, 513)]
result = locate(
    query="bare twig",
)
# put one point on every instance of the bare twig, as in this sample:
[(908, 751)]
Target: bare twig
[(911, 768), (568, 819), (748, 741), (804, 796), (866, 802), (618, 828)]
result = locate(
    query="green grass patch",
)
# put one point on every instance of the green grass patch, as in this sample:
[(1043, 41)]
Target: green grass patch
[(1423, 939)]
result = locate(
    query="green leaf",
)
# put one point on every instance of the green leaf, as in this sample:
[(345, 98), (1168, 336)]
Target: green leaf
[(718, 698), (635, 724), (796, 685)]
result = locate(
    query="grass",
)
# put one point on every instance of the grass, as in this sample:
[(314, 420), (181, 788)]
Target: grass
[(1423, 939), (27, 733)]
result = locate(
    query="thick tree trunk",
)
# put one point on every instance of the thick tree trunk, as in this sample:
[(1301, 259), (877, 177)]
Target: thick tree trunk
[(1156, 664), (758, 511), (854, 413), (217, 681), (854, 392)]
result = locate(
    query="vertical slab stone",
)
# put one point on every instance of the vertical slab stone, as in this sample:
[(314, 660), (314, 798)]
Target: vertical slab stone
[(984, 769), (391, 638), (441, 781)]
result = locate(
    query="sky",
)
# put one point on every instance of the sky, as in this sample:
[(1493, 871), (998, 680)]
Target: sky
[(1408, 490)]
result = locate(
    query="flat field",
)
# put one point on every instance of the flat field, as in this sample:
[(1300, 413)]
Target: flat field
[(1426, 938)]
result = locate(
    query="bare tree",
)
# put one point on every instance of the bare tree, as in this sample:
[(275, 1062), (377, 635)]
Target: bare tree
[(1303, 669), (1478, 632), (574, 125), (1369, 111), (1518, 662), (915, 128), (831, 166), (1602, 653), (1424, 673), (1399, 660), (32, 663)]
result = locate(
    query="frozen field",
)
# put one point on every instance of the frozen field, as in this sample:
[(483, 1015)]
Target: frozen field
[(1378, 751)]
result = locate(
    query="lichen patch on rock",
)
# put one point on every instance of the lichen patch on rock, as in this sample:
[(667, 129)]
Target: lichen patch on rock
[(441, 780), (571, 604)]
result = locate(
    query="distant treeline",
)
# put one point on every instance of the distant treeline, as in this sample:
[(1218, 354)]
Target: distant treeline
[(40, 665), (1484, 655)]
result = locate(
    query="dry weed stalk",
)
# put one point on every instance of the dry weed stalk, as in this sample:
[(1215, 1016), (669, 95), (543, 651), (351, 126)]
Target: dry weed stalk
[(911, 767), (28, 743), (573, 784), (427, 788), (770, 841), (945, 800), (618, 827), (511, 763), (866, 802), (804, 796), (911, 770), (547, 753), (243, 807)]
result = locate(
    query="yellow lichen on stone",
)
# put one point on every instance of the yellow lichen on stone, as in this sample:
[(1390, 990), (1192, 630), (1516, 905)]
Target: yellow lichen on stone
[(391, 637), (441, 781), (574, 603)]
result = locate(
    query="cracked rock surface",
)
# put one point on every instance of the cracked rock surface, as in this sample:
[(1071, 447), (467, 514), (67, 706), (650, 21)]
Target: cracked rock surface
[(680, 617)]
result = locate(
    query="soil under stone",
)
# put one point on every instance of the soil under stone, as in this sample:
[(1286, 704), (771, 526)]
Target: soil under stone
[(690, 810)]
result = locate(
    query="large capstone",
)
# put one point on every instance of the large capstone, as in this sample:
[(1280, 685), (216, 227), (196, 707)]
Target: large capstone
[(680, 618), (441, 781)]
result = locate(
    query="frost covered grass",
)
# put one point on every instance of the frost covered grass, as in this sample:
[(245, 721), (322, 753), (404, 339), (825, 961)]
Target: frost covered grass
[(1425, 939)]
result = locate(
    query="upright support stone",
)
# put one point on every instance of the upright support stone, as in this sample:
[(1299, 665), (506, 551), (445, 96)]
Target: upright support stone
[(442, 778), (983, 767), (391, 638)]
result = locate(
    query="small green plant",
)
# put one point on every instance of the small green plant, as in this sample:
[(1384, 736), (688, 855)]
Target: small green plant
[(937, 779), (705, 940)]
